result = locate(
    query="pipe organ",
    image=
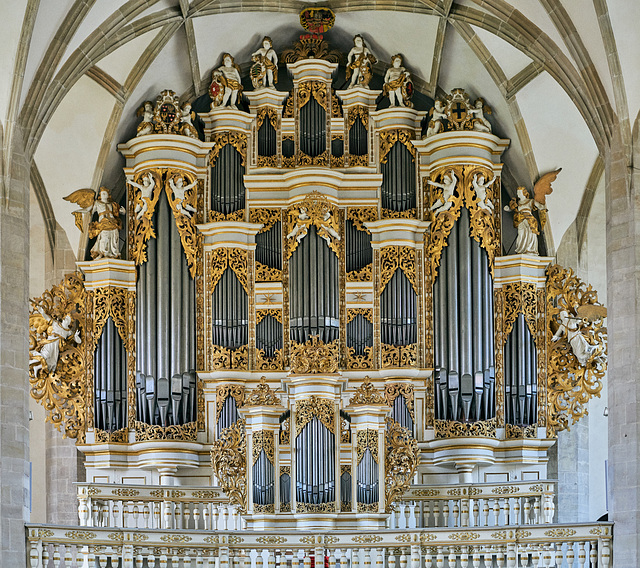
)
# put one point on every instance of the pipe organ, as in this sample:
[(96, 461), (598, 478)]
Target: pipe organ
[(310, 292)]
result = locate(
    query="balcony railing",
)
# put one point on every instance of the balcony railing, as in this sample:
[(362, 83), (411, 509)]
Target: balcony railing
[(580, 545)]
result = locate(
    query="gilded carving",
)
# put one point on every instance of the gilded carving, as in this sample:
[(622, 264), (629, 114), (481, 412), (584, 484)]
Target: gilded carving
[(265, 273), (520, 298), (315, 407), (576, 352), (398, 355), (368, 394), (365, 274), (262, 395), (401, 461), (405, 390), (356, 161), (144, 191), (453, 429), (516, 432), (225, 391), (274, 363), (267, 113), (224, 358), (364, 361), (314, 356), (285, 438), (237, 139), (275, 313), (229, 463), (263, 440), (358, 112), (314, 210), (394, 257), (311, 46), (220, 258), (500, 340), (315, 89), (56, 354), (367, 440), (361, 215), (217, 216), (391, 214), (184, 432), (389, 137), (117, 437), (267, 216)]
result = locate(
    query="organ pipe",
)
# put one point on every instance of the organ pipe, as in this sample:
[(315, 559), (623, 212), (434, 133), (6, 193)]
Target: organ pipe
[(266, 139), (315, 478), (358, 244), (227, 181), (313, 129), (358, 138), (269, 335), (367, 479), (398, 311), (263, 480), (230, 312), (463, 329), (269, 247), (228, 415), (359, 334), (398, 189)]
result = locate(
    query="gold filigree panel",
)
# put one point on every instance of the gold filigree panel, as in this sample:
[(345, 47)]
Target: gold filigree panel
[(267, 113), (365, 274), (217, 216), (184, 432), (367, 440), (315, 89), (275, 313), (391, 214), (453, 429), (314, 356), (360, 112), (360, 215), (229, 463), (142, 205), (576, 348), (262, 395), (389, 137), (225, 391), (393, 391), (265, 273), (364, 361), (367, 394), (264, 363), (237, 139), (394, 257), (401, 461), (315, 407), (267, 216), (263, 440), (57, 329), (520, 298), (398, 355), (220, 258)]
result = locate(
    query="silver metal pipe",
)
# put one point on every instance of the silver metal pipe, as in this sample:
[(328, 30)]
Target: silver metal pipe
[(453, 317), (177, 326), (150, 338)]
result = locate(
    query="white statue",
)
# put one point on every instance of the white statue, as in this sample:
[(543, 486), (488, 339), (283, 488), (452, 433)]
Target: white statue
[(146, 190), (187, 128), (570, 326), (226, 87), (480, 123), (264, 71), (523, 219), (448, 186), (302, 226), (397, 83), (146, 126), (179, 189), (106, 230), (480, 187), (437, 114), (45, 356), (359, 64), (326, 230)]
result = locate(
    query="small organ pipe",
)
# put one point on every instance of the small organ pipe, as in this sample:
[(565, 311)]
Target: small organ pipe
[(175, 282)]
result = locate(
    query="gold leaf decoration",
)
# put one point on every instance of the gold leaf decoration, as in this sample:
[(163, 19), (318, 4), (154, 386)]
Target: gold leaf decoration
[(361, 215), (391, 214), (267, 216), (314, 356), (405, 390), (401, 461), (453, 429), (367, 394), (224, 358), (142, 208), (225, 391), (237, 139), (274, 363), (365, 274), (367, 440), (267, 113), (399, 356), (220, 258), (229, 463), (315, 407), (57, 326), (275, 313), (389, 137), (262, 395), (519, 298), (571, 382), (394, 257), (360, 112), (184, 432), (263, 440), (364, 361), (265, 273)]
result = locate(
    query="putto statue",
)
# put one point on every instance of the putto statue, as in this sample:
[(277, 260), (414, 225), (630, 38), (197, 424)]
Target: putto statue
[(186, 126), (397, 83), (144, 199), (106, 230), (448, 186), (571, 327), (45, 355), (480, 186), (359, 64), (523, 219), (436, 118), (456, 112), (226, 87), (264, 71), (179, 189), (146, 126)]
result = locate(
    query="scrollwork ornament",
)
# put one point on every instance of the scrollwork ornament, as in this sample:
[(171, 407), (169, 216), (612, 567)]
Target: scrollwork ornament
[(183, 432), (520, 298), (367, 440), (263, 440), (237, 139), (405, 390), (394, 257), (360, 215), (262, 395), (389, 137), (401, 461), (267, 216), (576, 348), (314, 210), (368, 394), (453, 429), (314, 356), (220, 258), (237, 392), (267, 113), (315, 407), (144, 191), (363, 361), (57, 325), (360, 112), (229, 463), (365, 274)]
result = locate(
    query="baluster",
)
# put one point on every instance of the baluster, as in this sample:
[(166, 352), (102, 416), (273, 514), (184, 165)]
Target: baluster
[(214, 518), (524, 558), (445, 513), (452, 560), (196, 515), (56, 556), (186, 515), (507, 511), (163, 560), (440, 558), (527, 511), (367, 558), (546, 556), (464, 513), (92, 559), (496, 512), (306, 562), (391, 560), (136, 514), (243, 559), (235, 516), (548, 509), (606, 552), (145, 515), (68, 558), (271, 559), (516, 512), (500, 558), (114, 557), (332, 559), (186, 561), (436, 514), (511, 555), (206, 515), (485, 512), (105, 515), (45, 555), (140, 561), (536, 510), (488, 559), (464, 557), (83, 510), (168, 520), (476, 513), (415, 556), (403, 559), (155, 510), (35, 558), (116, 516), (570, 556), (536, 558), (94, 515), (177, 516), (127, 557), (225, 516), (380, 558), (476, 559), (103, 561), (407, 515), (417, 515), (126, 512), (456, 513), (593, 553), (223, 555)]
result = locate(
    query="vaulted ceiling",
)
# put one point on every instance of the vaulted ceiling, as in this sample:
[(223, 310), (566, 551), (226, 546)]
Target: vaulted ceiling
[(557, 74)]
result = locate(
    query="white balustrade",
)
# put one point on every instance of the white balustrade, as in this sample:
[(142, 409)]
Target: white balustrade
[(477, 505), (523, 546)]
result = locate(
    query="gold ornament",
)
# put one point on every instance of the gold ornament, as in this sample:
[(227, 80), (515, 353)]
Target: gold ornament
[(405, 390), (262, 395), (141, 210), (394, 257), (367, 394), (572, 381), (116, 437), (520, 298), (515, 432), (389, 137), (267, 113), (229, 463), (367, 440), (364, 361), (401, 461), (361, 215), (57, 323), (263, 440), (184, 432), (311, 46), (365, 274), (224, 358), (265, 273), (225, 391), (391, 214), (220, 258), (399, 356), (315, 407), (314, 356), (237, 139), (268, 218), (453, 429)]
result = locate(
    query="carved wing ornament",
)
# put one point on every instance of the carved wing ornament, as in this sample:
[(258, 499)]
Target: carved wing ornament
[(401, 461), (229, 463)]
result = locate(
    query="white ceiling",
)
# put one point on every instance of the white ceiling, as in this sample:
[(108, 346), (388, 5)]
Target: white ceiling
[(68, 148)]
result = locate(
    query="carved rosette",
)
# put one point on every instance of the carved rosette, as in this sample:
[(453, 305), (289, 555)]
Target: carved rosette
[(401, 461), (229, 463), (57, 326), (570, 383), (314, 356), (485, 225)]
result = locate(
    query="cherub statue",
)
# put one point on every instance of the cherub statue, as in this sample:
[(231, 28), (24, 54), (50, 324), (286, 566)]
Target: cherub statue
[(448, 186), (106, 229), (46, 354), (187, 128), (480, 187), (146, 126), (571, 327), (359, 64), (302, 226), (437, 115), (225, 88), (146, 190), (326, 230), (179, 190), (264, 71), (397, 83), (480, 123), (523, 219)]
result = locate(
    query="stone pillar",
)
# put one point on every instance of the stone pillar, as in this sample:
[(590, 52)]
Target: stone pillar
[(14, 392), (623, 275)]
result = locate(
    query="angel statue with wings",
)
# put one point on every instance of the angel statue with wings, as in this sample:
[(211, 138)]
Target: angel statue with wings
[(107, 228), (50, 332), (523, 219)]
